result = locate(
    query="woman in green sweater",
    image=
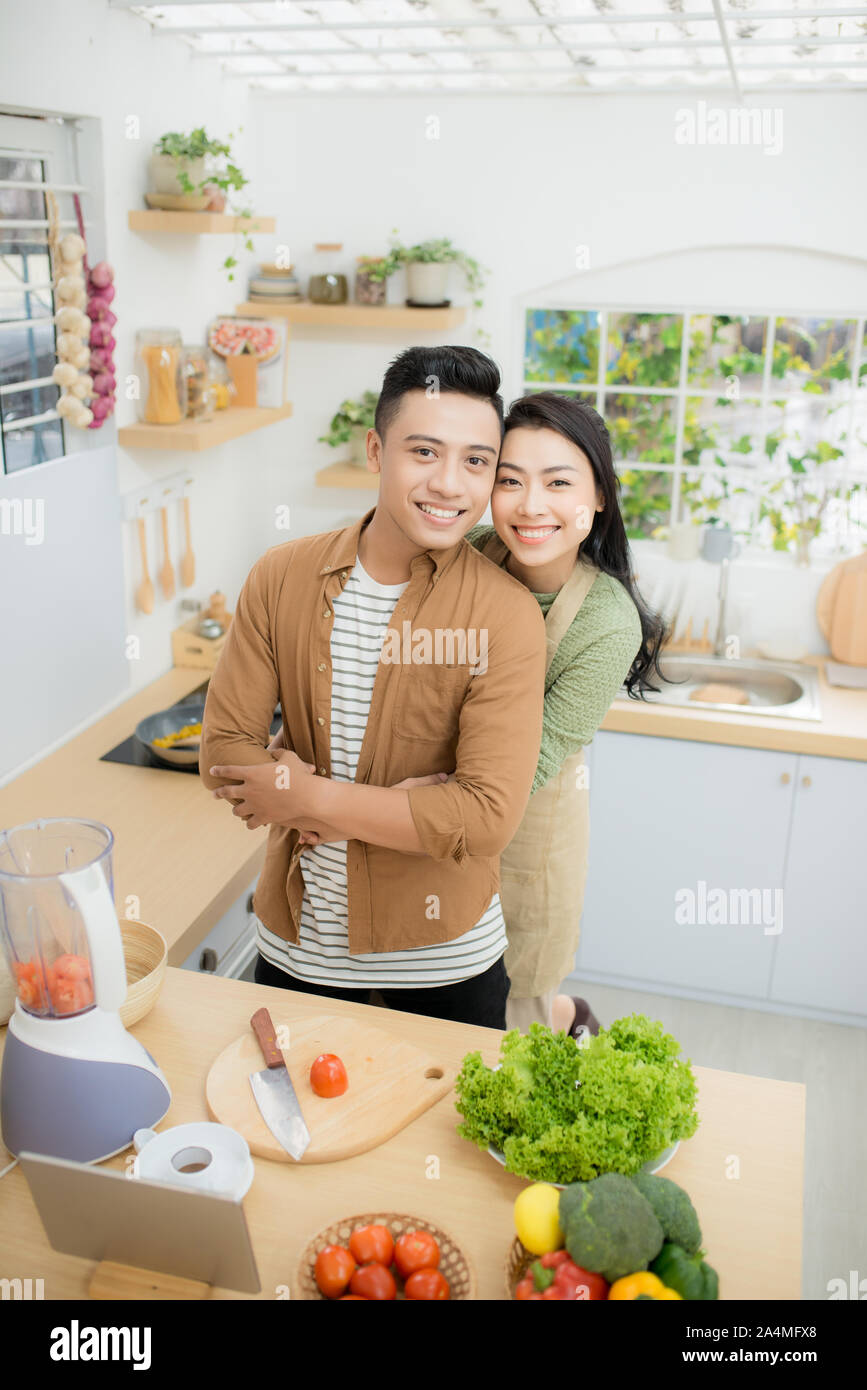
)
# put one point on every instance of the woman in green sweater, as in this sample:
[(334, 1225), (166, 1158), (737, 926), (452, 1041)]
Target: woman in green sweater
[(558, 529)]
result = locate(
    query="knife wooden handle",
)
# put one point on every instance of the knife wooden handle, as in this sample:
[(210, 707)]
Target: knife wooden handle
[(267, 1038)]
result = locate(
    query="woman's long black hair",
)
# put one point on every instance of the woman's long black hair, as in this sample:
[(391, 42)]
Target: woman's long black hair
[(606, 546)]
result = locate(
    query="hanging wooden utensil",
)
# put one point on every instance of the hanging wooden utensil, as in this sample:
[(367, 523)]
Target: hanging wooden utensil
[(167, 573), (188, 562), (144, 595)]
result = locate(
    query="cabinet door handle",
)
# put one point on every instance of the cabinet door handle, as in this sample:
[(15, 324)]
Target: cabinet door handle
[(785, 778), (806, 781)]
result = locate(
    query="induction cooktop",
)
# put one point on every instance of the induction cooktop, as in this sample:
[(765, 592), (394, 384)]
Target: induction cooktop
[(135, 753)]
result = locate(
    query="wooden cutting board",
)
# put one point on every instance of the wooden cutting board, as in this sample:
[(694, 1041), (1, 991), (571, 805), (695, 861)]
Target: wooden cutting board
[(841, 610), (391, 1082)]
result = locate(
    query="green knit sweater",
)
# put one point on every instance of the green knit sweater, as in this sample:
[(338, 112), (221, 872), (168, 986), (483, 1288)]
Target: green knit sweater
[(588, 668)]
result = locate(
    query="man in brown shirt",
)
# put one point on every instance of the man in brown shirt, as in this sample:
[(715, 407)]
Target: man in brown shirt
[(397, 652)]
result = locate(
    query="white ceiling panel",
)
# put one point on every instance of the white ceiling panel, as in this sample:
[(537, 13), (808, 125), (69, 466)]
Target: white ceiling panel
[(494, 46)]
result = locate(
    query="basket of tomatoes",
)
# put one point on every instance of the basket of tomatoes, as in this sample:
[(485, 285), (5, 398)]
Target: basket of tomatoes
[(383, 1257)]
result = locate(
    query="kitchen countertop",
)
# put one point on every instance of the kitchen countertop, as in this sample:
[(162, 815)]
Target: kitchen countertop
[(743, 1168), (187, 860)]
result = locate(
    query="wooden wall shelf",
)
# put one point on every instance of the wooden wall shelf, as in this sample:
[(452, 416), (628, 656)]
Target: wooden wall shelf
[(396, 316), (347, 475), (195, 435), (196, 223)]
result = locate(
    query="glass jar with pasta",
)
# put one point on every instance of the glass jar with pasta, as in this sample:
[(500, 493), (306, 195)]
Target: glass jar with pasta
[(159, 366)]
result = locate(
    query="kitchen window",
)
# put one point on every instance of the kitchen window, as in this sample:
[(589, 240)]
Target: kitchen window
[(35, 154), (758, 419)]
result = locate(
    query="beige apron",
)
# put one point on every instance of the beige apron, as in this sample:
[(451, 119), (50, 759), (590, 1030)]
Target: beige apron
[(543, 869)]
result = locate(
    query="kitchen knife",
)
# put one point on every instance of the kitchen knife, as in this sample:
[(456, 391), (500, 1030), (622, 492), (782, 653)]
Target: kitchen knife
[(274, 1092)]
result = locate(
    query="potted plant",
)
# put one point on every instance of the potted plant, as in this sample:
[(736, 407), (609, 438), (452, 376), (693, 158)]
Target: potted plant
[(350, 425), (178, 164), (371, 277), (428, 265), (196, 167)]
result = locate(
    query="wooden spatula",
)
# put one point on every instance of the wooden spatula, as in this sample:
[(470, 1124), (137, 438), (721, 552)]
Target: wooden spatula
[(144, 594), (188, 562), (167, 573)]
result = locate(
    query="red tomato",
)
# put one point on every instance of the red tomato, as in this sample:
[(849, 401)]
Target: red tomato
[(373, 1282), (328, 1075), (427, 1284), (372, 1245), (352, 1298), (72, 967), (333, 1270), (416, 1250)]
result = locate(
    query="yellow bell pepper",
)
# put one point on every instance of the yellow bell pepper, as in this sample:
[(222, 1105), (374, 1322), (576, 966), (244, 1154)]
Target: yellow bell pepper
[(641, 1285)]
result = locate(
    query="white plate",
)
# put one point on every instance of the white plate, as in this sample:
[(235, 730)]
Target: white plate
[(653, 1165)]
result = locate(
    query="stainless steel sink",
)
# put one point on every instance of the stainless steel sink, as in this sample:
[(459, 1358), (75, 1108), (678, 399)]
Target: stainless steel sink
[(785, 689)]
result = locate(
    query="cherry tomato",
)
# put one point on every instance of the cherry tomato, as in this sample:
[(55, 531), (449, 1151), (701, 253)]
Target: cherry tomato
[(72, 967), (372, 1245), (373, 1281), (554, 1258), (328, 1075), (416, 1250), (333, 1270), (427, 1284)]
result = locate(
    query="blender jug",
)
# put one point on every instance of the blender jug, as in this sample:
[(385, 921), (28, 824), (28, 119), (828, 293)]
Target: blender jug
[(74, 1083), (57, 917)]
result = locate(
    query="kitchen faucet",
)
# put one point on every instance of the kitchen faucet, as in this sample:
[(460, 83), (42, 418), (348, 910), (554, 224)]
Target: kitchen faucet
[(722, 595)]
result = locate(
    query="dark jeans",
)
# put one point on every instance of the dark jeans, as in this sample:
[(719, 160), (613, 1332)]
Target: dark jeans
[(480, 1000)]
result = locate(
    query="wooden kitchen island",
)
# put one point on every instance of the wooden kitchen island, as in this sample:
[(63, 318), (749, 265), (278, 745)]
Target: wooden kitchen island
[(743, 1168)]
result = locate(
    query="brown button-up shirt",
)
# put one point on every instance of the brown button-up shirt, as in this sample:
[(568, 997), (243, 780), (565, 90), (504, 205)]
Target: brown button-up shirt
[(429, 715)]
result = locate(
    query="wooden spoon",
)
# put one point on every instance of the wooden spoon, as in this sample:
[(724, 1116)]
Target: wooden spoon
[(167, 573), (144, 595), (188, 562)]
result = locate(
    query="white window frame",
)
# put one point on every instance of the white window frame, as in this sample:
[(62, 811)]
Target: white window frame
[(843, 472)]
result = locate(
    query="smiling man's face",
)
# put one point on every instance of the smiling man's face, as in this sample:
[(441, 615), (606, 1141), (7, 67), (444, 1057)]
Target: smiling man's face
[(437, 463)]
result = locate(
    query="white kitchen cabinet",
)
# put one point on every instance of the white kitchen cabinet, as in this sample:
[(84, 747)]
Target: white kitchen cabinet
[(666, 816), (821, 953), (231, 944)]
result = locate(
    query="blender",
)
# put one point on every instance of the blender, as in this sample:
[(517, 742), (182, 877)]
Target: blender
[(75, 1084)]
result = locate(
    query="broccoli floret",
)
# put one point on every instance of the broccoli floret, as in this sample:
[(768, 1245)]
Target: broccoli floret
[(674, 1211), (609, 1227)]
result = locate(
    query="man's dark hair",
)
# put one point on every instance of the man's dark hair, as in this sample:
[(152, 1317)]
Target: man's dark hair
[(461, 369)]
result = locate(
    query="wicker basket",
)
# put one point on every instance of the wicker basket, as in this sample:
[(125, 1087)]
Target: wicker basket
[(454, 1264), (146, 954), (518, 1261)]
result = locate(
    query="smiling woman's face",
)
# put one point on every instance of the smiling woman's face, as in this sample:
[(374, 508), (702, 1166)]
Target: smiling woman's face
[(545, 497)]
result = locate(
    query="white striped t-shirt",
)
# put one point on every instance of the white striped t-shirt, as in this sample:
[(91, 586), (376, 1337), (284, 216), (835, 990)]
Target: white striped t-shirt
[(361, 617)]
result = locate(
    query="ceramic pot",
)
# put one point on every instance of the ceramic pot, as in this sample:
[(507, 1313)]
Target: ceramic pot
[(427, 281), (684, 540), (358, 447), (718, 544), (163, 173)]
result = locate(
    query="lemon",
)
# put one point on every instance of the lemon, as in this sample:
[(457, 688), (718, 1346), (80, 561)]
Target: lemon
[(537, 1218)]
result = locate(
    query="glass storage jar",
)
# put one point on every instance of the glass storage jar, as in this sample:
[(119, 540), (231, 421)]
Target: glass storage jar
[(327, 283), (160, 369), (368, 288), (200, 395)]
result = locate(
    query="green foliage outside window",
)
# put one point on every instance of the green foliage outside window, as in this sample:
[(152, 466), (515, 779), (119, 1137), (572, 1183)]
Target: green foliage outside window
[(795, 482)]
